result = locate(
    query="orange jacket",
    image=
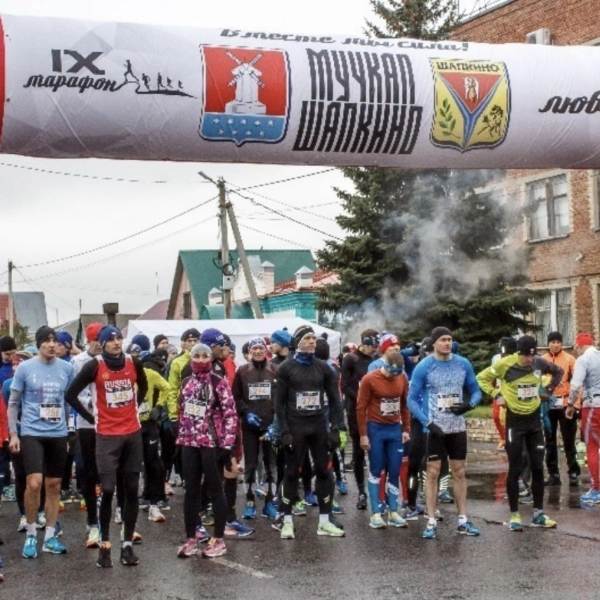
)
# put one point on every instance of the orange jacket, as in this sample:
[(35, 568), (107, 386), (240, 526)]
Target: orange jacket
[(567, 363)]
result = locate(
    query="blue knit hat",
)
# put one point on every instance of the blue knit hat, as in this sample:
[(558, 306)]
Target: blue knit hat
[(107, 333), (212, 338), (64, 338), (143, 341), (282, 337)]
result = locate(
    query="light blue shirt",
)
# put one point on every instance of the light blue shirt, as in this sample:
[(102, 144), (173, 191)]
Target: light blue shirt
[(42, 386)]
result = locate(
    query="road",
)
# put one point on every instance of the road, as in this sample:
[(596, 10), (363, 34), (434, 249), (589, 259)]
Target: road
[(367, 564)]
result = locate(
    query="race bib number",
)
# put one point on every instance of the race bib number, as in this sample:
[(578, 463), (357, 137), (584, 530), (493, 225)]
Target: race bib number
[(118, 397), (194, 410), (53, 413), (527, 392), (390, 407), (143, 409), (558, 403), (259, 391), (445, 401), (71, 426), (308, 401)]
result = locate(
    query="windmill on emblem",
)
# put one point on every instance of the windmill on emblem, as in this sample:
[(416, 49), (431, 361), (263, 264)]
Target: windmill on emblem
[(246, 79)]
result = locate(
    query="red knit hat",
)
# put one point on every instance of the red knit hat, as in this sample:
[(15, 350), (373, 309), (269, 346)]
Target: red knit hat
[(387, 340), (584, 339), (92, 331)]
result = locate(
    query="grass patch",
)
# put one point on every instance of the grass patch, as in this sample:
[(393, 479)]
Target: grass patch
[(480, 412)]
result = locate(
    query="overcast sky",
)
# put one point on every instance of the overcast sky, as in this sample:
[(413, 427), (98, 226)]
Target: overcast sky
[(47, 216)]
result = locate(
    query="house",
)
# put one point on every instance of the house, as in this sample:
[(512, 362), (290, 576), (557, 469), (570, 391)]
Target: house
[(29, 310), (563, 231), (73, 326), (196, 291)]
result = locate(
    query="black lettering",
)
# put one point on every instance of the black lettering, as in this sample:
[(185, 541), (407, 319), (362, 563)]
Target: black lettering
[(330, 127), (365, 118), (72, 82), (86, 62), (578, 105), (373, 65), (326, 40), (61, 80), (594, 104), (340, 68), (306, 140), (380, 127), (85, 83), (56, 61), (347, 127), (274, 36), (320, 75), (390, 78), (35, 81), (230, 32), (49, 81), (99, 83), (358, 73), (111, 86)]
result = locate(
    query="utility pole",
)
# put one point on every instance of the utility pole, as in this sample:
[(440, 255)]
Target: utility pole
[(11, 309), (245, 265), (224, 243)]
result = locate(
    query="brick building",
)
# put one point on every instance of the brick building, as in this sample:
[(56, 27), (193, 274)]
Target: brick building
[(564, 230)]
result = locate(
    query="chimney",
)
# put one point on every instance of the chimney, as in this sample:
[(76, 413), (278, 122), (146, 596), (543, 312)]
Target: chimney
[(215, 296), (110, 309), (304, 278), (267, 274)]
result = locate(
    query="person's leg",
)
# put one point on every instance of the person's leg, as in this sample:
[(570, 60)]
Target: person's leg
[(130, 463), (167, 445), (212, 475), (551, 445), (568, 431), (307, 474), (514, 452), (20, 481), (592, 445), (270, 469), (32, 454), (108, 455), (155, 471), (358, 454), (192, 474), (460, 485), (55, 458), (87, 441), (415, 460), (318, 446), (376, 462), (431, 486), (293, 461), (534, 439), (393, 450), (251, 444)]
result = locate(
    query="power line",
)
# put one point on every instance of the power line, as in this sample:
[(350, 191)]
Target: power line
[(185, 212), (29, 282), (251, 187), (276, 237)]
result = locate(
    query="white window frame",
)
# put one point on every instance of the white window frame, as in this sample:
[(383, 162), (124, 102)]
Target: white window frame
[(528, 191), (554, 326)]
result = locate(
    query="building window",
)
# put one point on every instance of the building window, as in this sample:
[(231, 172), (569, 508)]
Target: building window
[(554, 312), (187, 305), (549, 202)]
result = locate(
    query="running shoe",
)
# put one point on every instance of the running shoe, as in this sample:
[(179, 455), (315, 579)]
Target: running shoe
[(54, 546), (342, 487), (552, 480), (137, 538), (169, 491), (40, 522), (395, 520), (22, 528), (329, 529), (155, 515), (128, 558), (591, 497), (515, 522), (9, 494), (214, 548), (362, 502), (376, 521), (188, 549), (429, 531), (468, 529), (336, 508), (238, 530), (445, 497), (164, 505), (178, 481), (544, 521), (310, 499), (202, 535), (249, 511), (93, 540), (143, 503), (269, 511), (66, 496), (118, 516), (82, 504), (333, 520), (526, 499), (259, 491), (523, 489), (277, 524), (287, 531), (299, 510), (30, 547), (408, 514), (208, 518), (104, 560)]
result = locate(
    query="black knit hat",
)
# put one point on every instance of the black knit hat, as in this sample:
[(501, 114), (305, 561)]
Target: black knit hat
[(508, 345), (159, 338), (43, 334), (322, 349), (7, 343), (526, 345), (439, 332), (192, 332), (555, 336), (301, 332)]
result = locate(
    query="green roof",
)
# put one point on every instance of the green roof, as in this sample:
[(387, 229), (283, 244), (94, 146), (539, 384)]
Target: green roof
[(203, 275), (217, 311)]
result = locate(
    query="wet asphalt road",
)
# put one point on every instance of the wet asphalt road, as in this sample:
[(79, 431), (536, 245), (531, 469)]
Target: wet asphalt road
[(391, 563)]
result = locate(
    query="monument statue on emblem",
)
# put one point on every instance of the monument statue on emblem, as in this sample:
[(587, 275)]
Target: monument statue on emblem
[(246, 79)]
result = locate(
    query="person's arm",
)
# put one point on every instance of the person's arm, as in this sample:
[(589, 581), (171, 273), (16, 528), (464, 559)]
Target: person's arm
[(141, 380), (238, 393), (579, 376), (416, 394), (229, 413), (85, 377), (472, 386), (281, 393), (13, 411), (175, 384), (362, 402), (331, 390), (347, 375), (3, 423), (163, 391), (404, 412), (547, 367), (486, 380)]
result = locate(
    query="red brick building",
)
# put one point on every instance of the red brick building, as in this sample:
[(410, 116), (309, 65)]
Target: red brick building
[(564, 230)]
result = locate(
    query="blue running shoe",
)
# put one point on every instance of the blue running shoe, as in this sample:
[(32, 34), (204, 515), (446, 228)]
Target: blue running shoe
[(249, 511), (408, 514), (310, 499), (337, 508), (238, 530), (259, 491), (202, 535), (299, 510), (429, 532), (445, 497), (58, 530), (30, 547), (468, 529), (269, 511), (591, 497), (342, 487), (54, 546)]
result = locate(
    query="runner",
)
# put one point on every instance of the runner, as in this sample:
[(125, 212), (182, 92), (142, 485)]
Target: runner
[(384, 424), (354, 367), (305, 391), (253, 388), (115, 376), (38, 390), (586, 380), (436, 399), (281, 340), (207, 431), (520, 377), (161, 342), (557, 417), (508, 345)]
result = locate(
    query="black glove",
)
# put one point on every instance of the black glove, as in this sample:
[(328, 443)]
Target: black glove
[(287, 441), (225, 456), (333, 439), (434, 429), (155, 414), (460, 409)]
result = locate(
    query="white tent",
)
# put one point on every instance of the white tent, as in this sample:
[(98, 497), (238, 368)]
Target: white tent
[(239, 330)]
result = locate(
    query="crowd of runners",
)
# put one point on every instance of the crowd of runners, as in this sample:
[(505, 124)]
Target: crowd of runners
[(81, 424)]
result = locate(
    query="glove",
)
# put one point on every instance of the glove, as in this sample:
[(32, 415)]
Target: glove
[(272, 435), (226, 458), (343, 439), (434, 429), (252, 419), (287, 441), (460, 409), (333, 439), (155, 414)]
